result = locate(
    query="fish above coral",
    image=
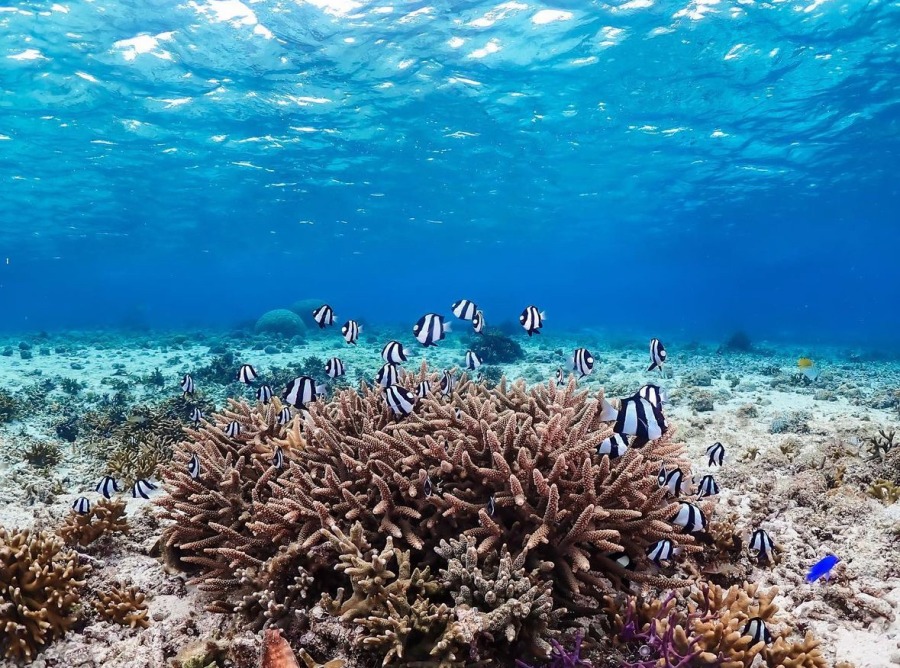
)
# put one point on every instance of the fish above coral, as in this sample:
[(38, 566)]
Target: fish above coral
[(430, 328), (636, 417), (808, 369), (532, 320), (658, 355)]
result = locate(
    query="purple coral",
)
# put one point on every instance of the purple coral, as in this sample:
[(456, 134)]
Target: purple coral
[(560, 657), (657, 650)]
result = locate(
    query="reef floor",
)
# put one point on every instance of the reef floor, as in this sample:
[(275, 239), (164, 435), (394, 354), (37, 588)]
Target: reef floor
[(800, 462)]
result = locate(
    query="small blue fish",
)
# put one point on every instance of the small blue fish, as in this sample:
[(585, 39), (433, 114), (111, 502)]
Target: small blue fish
[(822, 568)]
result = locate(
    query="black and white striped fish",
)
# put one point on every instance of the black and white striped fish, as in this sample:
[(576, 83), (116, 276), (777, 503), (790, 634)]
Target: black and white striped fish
[(662, 550), (762, 544), (427, 487), (689, 517), (400, 400), (707, 487), (247, 374), (623, 560), (636, 417), (334, 368), (81, 505), (430, 328), (142, 488), (479, 377), (464, 309), (614, 446), (716, 453), (472, 360), (196, 415), (278, 458), (301, 391), (448, 382), (387, 375), (478, 322), (491, 506), (532, 320), (423, 389), (654, 394), (233, 429), (107, 486), (673, 480), (324, 316), (187, 385), (756, 629), (657, 355), (582, 361), (284, 416), (560, 378), (350, 331), (394, 353), (193, 467), (458, 413), (264, 394)]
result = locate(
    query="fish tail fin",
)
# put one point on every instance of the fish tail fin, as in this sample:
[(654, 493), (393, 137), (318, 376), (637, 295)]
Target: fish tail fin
[(607, 412), (446, 327), (652, 366), (543, 315)]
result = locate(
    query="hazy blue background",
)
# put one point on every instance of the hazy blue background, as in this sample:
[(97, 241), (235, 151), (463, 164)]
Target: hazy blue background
[(677, 169)]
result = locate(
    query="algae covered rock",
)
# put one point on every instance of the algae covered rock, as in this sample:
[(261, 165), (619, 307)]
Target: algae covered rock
[(281, 321)]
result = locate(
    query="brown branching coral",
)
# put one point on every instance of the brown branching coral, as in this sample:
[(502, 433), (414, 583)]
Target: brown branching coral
[(123, 606), (39, 582), (105, 517), (504, 478)]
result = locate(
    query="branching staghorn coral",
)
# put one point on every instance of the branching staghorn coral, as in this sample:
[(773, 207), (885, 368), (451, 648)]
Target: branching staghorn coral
[(105, 517), (510, 473), (39, 582), (705, 627), (123, 606)]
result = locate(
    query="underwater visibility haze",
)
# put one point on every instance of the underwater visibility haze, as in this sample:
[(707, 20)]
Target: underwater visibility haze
[(693, 167)]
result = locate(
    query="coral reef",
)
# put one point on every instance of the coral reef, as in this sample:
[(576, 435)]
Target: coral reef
[(123, 606), (276, 653), (9, 406), (495, 347), (499, 491), (41, 454), (39, 582), (282, 322), (105, 517)]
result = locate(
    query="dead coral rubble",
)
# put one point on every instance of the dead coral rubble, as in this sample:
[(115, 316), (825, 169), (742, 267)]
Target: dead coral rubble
[(39, 583), (473, 525)]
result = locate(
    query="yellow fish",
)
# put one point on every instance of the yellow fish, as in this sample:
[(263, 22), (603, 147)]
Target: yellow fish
[(805, 363)]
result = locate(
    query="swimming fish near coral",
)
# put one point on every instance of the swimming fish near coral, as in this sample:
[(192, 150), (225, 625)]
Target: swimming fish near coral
[(716, 453), (822, 568), (233, 429), (247, 374), (472, 360), (560, 378), (491, 506), (756, 629), (264, 394), (196, 415), (448, 382), (193, 467), (657, 355), (458, 413), (334, 368), (623, 560), (532, 320), (673, 480), (662, 550), (654, 394), (427, 487), (762, 544), (582, 361), (423, 389), (301, 391), (324, 316), (430, 328), (187, 385), (635, 417), (689, 517), (278, 458), (478, 322), (808, 368), (107, 486), (707, 487), (350, 331), (142, 488), (387, 375), (400, 400), (614, 446), (464, 309), (394, 353), (284, 416), (81, 505)]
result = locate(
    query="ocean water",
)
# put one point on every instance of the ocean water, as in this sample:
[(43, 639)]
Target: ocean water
[(673, 169)]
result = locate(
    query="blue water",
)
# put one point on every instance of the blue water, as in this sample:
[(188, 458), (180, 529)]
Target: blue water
[(672, 169)]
